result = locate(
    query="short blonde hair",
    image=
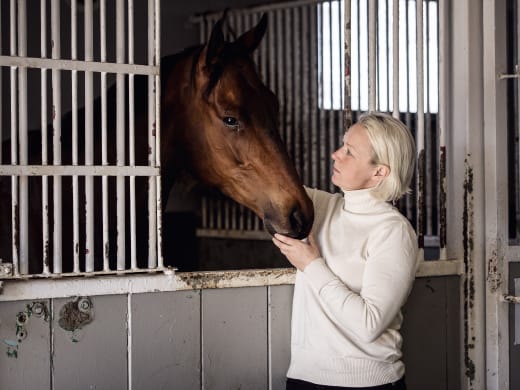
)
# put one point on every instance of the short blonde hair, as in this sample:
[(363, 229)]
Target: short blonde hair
[(394, 146)]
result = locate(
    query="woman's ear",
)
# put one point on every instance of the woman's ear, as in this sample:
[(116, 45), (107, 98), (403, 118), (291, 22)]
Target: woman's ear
[(382, 171)]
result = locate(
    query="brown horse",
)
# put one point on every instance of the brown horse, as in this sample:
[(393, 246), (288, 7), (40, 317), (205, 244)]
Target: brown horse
[(219, 124)]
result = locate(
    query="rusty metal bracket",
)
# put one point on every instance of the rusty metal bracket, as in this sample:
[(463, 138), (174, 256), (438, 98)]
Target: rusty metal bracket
[(6, 269)]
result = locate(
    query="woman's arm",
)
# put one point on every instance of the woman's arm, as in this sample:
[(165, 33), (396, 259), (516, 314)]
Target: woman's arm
[(387, 280)]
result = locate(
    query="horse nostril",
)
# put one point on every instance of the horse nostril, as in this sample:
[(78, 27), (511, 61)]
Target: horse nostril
[(297, 220)]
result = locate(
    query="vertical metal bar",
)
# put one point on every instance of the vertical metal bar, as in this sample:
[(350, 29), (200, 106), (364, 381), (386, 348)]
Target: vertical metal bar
[(75, 186), (395, 59), (56, 139), (104, 124), (332, 141), (304, 104), (1, 89), (22, 139), (131, 134), (45, 158), (347, 62), (120, 134), (372, 54), (428, 131), (322, 141), (152, 185), (89, 138), (157, 62), (443, 122), (297, 90), (314, 90), (14, 141), (420, 125)]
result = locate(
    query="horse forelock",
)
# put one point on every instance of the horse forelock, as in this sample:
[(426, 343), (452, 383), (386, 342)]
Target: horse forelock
[(231, 53)]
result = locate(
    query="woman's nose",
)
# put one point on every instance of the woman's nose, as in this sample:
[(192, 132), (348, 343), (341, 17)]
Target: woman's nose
[(334, 155)]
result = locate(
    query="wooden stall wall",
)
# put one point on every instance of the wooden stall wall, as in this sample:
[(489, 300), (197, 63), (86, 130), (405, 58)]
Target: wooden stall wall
[(231, 338)]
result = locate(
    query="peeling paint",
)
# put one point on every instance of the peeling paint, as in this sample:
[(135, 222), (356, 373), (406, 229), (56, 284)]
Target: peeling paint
[(76, 314), (442, 198), (469, 281), (200, 280), (494, 277), (36, 309)]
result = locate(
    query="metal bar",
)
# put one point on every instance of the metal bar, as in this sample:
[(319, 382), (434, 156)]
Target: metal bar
[(14, 142), (305, 126), (56, 139), (152, 185), (80, 170), (120, 135), (331, 144), (157, 62), (372, 54), (263, 8), (85, 66), (22, 139), (104, 146), (75, 184), (395, 59), (43, 107), (297, 90), (89, 138), (314, 88), (420, 123), (322, 139), (131, 134), (443, 123)]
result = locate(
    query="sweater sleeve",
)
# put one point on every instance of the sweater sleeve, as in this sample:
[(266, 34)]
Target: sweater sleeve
[(387, 280)]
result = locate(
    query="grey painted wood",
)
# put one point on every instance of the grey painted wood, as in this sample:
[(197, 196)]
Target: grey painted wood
[(280, 308), (234, 337), (94, 357), (425, 333), (166, 340), (31, 369)]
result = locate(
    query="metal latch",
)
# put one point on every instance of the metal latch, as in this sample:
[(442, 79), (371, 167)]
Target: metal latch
[(515, 75), (510, 299)]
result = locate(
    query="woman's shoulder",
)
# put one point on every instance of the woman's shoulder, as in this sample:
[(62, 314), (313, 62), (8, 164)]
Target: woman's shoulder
[(320, 196)]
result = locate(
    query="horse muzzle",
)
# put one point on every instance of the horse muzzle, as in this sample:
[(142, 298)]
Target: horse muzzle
[(297, 224)]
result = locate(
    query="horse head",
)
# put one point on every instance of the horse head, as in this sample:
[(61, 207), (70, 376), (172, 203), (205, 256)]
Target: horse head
[(224, 118)]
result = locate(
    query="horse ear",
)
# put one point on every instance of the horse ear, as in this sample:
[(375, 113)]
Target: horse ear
[(251, 39), (216, 43)]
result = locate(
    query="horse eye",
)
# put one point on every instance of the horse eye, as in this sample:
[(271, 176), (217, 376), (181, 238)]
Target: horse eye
[(230, 121)]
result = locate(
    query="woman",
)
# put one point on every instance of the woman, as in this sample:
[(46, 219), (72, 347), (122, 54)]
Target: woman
[(356, 269)]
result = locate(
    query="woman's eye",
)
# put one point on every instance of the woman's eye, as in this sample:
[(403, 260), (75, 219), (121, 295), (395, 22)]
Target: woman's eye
[(230, 121)]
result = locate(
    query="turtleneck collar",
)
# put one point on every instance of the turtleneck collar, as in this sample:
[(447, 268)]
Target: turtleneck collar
[(363, 201)]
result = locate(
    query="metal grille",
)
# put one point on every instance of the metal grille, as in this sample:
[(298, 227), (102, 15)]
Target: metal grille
[(79, 57), (393, 57)]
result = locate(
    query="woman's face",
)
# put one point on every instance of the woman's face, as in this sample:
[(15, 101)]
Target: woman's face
[(353, 167)]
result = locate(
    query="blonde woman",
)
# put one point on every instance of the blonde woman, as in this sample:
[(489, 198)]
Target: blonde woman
[(356, 270)]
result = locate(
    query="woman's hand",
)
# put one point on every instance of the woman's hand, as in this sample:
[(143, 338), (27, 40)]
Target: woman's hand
[(299, 253)]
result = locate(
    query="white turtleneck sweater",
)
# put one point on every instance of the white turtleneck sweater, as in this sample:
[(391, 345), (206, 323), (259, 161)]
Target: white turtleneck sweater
[(347, 304)]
